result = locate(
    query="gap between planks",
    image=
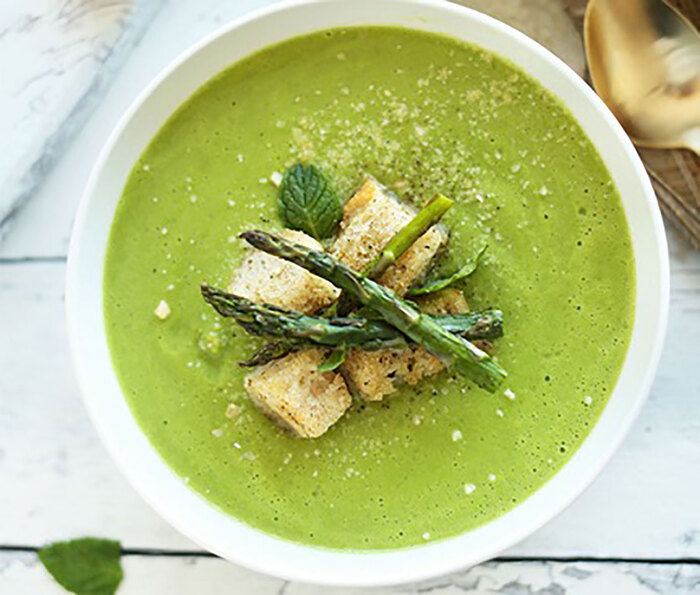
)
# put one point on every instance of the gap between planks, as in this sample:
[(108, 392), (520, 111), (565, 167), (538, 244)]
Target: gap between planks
[(33, 260), (563, 559)]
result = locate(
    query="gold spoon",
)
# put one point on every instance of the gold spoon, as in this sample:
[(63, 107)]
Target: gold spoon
[(644, 60)]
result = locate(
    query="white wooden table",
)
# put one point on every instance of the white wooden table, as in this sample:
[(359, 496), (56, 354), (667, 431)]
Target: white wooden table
[(636, 529)]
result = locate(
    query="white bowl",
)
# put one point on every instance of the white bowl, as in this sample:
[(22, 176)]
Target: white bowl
[(191, 513)]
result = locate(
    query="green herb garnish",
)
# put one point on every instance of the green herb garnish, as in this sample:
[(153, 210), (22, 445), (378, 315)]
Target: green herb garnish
[(335, 359), (438, 284), (307, 202), (87, 566)]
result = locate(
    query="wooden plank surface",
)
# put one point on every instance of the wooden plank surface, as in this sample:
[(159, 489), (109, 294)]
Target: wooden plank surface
[(70, 51), (58, 482), (21, 574)]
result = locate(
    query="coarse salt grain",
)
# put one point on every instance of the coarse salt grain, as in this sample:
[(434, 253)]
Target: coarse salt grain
[(469, 488), (233, 411), (162, 310), (499, 413), (492, 477), (426, 535), (276, 178), (588, 399), (509, 393), (456, 436), (217, 433)]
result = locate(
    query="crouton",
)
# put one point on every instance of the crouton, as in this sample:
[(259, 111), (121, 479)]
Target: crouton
[(370, 219), (296, 395), (265, 278), (446, 301), (374, 374)]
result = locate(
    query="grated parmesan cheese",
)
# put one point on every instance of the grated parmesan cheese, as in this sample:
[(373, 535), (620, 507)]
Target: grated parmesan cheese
[(276, 178), (162, 310)]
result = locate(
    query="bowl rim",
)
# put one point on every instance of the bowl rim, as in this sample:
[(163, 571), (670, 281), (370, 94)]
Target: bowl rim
[(344, 567)]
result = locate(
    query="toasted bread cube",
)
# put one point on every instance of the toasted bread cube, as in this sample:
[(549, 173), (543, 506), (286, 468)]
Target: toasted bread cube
[(265, 278), (374, 374), (370, 219), (445, 301), (296, 395)]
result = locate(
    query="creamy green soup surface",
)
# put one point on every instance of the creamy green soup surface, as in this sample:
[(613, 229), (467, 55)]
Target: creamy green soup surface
[(423, 114)]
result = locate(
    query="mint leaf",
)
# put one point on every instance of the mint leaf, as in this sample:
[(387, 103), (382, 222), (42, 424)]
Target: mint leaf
[(308, 203), (438, 284), (87, 566), (334, 359)]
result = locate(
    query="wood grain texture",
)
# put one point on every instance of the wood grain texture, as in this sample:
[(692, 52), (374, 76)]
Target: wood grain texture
[(58, 482), (675, 174), (22, 574), (42, 228), (57, 59), (689, 8)]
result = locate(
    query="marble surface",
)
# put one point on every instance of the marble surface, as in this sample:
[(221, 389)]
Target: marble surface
[(635, 530), (57, 60)]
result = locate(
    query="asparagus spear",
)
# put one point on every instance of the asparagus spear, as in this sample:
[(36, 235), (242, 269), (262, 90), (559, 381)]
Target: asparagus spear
[(268, 320), (270, 352), (428, 216), (405, 316)]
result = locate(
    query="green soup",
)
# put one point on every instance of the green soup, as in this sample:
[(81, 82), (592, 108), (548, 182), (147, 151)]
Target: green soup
[(424, 114)]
